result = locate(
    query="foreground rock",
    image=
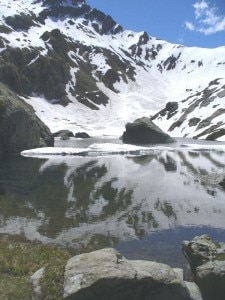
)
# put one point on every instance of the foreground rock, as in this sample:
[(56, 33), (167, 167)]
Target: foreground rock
[(207, 261), (20, 128), (144, 131), (106, 274)]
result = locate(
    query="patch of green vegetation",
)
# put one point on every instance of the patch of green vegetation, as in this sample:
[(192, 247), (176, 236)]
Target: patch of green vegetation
[(85, 82), (87, 89), (220, 257), (9, 73), (18, 261)]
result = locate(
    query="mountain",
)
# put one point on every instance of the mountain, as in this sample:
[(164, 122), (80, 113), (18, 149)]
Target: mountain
[(80, 70), (200, 115)]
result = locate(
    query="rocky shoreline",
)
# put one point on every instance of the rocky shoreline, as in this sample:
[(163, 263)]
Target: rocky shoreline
[(20, 128), (207, 262), (106, 274)]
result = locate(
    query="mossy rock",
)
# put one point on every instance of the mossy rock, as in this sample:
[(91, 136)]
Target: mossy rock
[(20, 128), (58, 42), (86, 88), (9, 74), (49, 75)]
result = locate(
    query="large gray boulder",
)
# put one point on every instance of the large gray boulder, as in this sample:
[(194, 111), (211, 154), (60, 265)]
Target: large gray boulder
[(20, 128), (199, 251), (106, 274), (144, 131), (207, 261)]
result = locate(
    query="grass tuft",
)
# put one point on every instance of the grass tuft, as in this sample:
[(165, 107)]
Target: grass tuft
[(18, 261)]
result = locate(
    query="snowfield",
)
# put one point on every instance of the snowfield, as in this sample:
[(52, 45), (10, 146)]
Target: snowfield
[(163, 72)]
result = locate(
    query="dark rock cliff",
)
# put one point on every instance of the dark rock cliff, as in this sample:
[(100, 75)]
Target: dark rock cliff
[(20, 128)]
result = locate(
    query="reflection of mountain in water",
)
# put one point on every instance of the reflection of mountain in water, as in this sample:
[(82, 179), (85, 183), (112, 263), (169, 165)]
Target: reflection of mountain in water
[(83, 200)]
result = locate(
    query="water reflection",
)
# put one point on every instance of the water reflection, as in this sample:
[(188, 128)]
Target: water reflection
[(96, 202)]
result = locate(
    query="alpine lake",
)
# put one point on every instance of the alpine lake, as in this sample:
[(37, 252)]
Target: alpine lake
[(144, 206)]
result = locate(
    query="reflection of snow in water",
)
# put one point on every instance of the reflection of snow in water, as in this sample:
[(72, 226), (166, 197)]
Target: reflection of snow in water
[(129, 195)]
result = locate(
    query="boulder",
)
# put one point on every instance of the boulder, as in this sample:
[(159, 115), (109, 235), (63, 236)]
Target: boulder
[(199, 251), (210, 277), (222, 183), (20, 128), (144, 131), (82, 135), (106, 274), (63, 134), (35, 280), (207, 261)]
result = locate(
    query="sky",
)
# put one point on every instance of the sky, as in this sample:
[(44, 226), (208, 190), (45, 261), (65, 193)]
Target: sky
[(188, 22)]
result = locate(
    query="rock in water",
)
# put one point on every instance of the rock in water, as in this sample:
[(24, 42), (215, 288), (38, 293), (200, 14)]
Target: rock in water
[(222, 183), (63, 134), (20, 128), (82, 135), (144, 131), (106, 274), (207, 261)]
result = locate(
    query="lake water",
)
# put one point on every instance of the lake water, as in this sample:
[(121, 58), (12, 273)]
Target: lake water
[(144, 206)]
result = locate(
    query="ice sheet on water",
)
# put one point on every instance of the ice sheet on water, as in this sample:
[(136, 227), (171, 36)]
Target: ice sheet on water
[(99, 149), (93, 150)]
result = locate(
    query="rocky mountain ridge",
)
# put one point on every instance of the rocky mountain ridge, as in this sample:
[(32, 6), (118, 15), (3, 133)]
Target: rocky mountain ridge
[(80, 70)]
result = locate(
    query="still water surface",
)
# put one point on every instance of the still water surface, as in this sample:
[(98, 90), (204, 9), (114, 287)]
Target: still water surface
[(145, 206)]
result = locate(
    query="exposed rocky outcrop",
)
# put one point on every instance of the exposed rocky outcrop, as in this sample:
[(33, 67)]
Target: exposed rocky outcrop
[(20, 128), (106, 274), (169, 110), (198, 112), (68, 53), (22, 21), (144, 131), (207, 261)]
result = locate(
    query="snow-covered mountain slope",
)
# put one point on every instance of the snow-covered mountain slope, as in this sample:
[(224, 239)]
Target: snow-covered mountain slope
[(200, 115), (80, 70)]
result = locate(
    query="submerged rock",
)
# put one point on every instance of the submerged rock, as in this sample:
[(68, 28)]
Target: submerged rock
[(144, 131), (207, 261), (20, 128), (106, 274)]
